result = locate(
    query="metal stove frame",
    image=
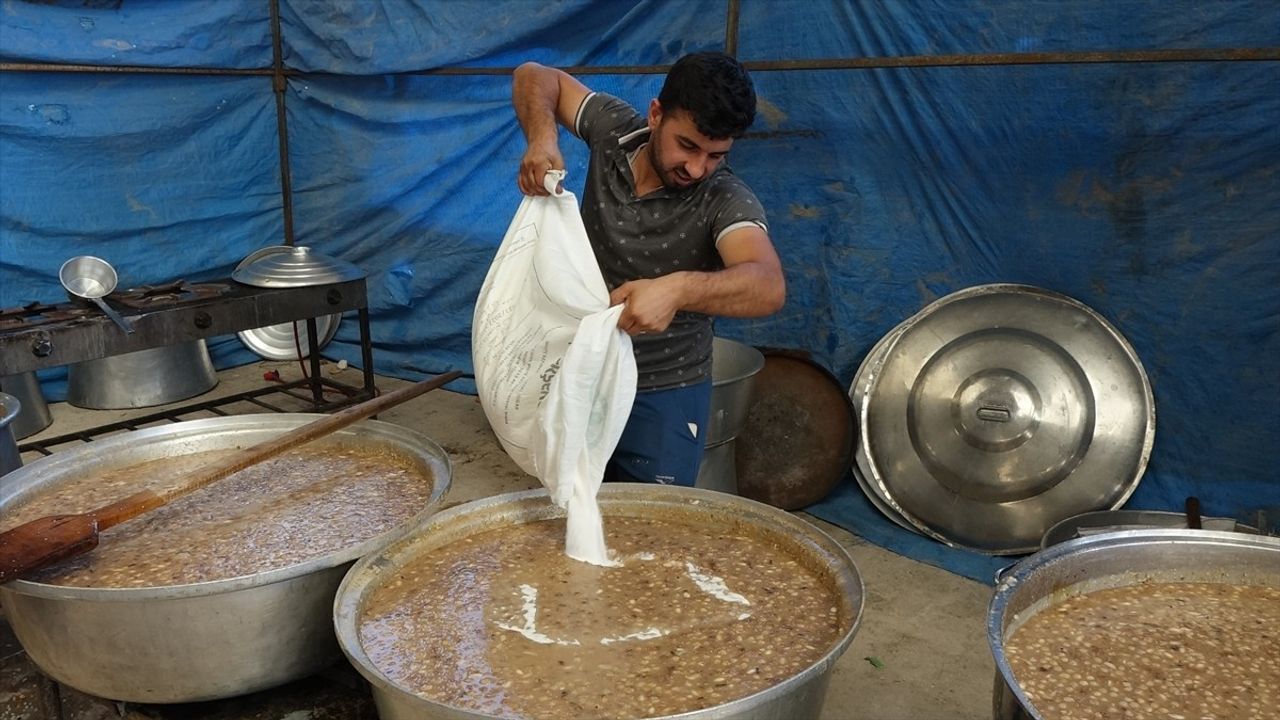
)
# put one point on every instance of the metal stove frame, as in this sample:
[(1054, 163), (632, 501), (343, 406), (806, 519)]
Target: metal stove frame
[(242, 307)]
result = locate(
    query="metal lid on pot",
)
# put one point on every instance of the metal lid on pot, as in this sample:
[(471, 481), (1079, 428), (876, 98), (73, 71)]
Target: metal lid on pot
[(297, 266), (285, 341), (1001, 409)]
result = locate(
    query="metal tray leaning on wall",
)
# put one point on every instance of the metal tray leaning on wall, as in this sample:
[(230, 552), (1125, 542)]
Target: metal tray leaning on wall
[(997, 411)]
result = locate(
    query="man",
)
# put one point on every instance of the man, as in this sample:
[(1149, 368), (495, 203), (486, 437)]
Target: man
[(679, 238)]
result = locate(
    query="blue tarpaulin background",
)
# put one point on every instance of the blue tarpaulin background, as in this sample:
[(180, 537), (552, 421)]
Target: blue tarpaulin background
[(1149, 191)]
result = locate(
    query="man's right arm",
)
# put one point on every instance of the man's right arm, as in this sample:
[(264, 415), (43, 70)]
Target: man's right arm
[(543, 96)]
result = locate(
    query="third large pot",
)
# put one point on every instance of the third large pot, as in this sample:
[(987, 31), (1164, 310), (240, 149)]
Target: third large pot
[(798, 697), (1109, 560), (204, 640)]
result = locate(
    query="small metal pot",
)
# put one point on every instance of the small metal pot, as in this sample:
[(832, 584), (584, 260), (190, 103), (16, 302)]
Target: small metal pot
[(800, 697), (200, 641), (34, 416), (10, 460), (1109, 560), (154, 376)]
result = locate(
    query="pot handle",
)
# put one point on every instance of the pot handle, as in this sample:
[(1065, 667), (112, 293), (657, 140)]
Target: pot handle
[(1004, 572)]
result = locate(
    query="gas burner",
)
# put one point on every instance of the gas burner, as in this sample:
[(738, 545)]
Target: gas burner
[(151, 297), (37, 313)]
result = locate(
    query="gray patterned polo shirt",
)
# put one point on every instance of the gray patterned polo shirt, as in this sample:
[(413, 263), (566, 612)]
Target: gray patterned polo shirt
[(663, 232)]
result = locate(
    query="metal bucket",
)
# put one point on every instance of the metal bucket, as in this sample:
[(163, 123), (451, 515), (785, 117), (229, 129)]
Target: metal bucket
[(10, 460), (1111, 560), (797, 698), (154, 376), (719, 469), (200, 641), (34, 416), (734, 367)]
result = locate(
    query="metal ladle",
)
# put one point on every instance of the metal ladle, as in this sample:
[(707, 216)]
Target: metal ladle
[(92, 278)]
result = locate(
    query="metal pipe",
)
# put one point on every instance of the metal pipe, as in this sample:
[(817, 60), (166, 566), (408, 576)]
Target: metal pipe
[(278, 86), (126, 69), (731, 29), (997, 59), (1263, 54)]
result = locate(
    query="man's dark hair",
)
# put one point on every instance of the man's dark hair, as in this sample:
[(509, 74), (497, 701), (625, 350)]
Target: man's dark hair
[(715, 89)]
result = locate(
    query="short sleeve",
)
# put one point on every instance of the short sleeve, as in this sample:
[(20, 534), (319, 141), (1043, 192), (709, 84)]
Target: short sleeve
[(733, 205), (604, 118)]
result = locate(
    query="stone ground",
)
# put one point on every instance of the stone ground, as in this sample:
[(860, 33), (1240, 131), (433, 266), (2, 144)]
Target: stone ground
[(923, 626)]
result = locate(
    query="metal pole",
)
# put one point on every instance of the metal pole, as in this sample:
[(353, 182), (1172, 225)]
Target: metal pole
[(731, 29), (279, 84), (1263, 54)]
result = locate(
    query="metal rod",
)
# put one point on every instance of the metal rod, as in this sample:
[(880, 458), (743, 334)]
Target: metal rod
[(348, 389), (261, 404), (175, 414), (299, 396), (731, 29), (366, 350), (127, 69), (996, 59), (1262, 54), (279, 84), (313, 350)]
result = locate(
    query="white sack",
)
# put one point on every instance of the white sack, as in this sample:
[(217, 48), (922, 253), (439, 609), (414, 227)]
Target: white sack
[(555, 375)]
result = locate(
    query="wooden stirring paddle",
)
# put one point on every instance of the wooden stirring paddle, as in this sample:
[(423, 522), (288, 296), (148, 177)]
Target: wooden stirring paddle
[(47, 540)]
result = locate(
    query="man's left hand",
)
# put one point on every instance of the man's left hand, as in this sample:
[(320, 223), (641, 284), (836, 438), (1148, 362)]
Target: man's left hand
[(649, 304)]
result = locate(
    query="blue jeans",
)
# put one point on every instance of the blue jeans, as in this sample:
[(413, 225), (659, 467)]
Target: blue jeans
[(664, 437)]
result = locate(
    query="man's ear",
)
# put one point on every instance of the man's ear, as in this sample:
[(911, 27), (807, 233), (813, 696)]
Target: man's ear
[(655, 114)]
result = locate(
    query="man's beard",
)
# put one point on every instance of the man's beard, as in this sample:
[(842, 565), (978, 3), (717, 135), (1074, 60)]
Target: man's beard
[(667, 177)]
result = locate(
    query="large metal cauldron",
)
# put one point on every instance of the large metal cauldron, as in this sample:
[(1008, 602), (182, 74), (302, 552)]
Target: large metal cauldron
[(1115, 560), (796, 698), (199, 641)]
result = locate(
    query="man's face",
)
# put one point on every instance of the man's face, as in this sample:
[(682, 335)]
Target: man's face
[(680, 154)]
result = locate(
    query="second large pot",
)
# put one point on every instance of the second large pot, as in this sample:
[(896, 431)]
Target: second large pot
[(1117, 559), (799, 697), (199, 641)]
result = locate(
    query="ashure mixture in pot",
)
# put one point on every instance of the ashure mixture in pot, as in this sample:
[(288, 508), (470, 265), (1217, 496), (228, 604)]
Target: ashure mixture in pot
[(503, 623), (301, 505), (1177, 651)]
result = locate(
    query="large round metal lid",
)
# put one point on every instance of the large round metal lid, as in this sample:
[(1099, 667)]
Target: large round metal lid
[(298, 266), (869, 368), (1001, 409), (285, 341)]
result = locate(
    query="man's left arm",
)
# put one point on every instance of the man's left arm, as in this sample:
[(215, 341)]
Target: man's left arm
[(750, 285)]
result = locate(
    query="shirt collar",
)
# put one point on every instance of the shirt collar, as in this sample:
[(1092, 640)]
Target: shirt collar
[(630, 138)]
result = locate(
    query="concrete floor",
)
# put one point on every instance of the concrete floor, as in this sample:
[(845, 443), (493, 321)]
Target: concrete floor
[(924, 626)]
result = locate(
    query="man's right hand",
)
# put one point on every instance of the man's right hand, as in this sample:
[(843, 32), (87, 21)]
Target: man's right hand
[(543, 97), (538, 159)]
